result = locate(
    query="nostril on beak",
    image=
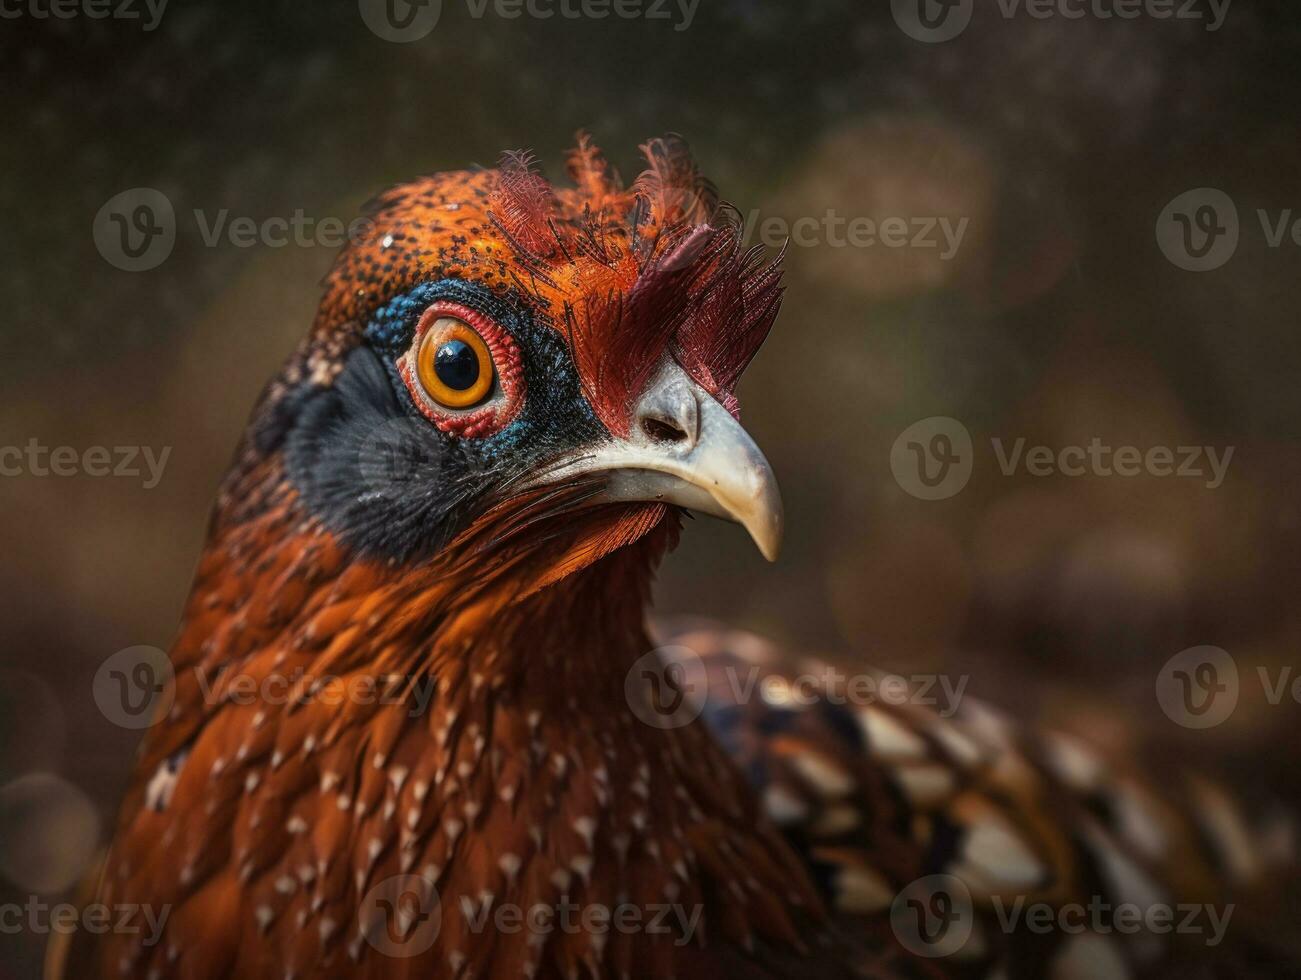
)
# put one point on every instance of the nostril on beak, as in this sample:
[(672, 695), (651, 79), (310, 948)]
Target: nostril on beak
[(669, 415), (663, 430)]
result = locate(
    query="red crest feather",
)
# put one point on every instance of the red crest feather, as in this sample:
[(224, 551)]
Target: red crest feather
[(673, 186), (629, 274), (595, 180), (639, 272), (523, 205)]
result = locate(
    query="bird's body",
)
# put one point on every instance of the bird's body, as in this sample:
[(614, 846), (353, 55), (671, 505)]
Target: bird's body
[(406, 690)]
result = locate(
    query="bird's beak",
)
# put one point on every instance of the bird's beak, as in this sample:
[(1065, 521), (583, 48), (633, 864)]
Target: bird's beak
[(684, 448)]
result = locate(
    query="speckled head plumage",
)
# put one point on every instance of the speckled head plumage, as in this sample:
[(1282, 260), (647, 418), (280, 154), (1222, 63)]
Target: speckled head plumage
[(584, 292), (624, 272)]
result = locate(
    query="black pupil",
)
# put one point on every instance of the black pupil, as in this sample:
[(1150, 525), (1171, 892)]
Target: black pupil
[(456, 365)]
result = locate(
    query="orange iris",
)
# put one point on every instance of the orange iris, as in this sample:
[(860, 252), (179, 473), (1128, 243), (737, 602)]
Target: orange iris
[(454, 364)]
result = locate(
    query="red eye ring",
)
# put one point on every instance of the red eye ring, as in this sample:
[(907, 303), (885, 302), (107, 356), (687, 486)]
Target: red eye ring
[(503, 403)]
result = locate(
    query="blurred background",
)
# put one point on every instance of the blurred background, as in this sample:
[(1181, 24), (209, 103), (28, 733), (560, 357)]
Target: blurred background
[(1065, 312)]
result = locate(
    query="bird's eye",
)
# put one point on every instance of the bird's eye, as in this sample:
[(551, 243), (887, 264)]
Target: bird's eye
[(454, 364), (463, 370)]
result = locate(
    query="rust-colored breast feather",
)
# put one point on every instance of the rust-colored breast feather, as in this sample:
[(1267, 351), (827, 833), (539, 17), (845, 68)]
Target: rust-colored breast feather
[(336, 728)]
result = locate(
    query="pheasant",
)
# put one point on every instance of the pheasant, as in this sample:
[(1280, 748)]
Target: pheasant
[(417, 724)]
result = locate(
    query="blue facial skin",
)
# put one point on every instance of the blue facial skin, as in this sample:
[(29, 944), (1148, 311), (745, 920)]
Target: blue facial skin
[(341, 442), (555, 415)]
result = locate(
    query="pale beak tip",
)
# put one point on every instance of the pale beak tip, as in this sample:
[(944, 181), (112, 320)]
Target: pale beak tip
[(770, 548), (765, 526)]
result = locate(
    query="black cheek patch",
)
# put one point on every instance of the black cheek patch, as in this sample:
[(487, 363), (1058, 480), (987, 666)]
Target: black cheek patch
[(388, 483)]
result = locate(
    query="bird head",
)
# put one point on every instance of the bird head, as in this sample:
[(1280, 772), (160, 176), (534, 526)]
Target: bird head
[(497, 351)]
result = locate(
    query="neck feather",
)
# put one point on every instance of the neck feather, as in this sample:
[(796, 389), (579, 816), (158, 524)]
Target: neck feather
[(463, 723)]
